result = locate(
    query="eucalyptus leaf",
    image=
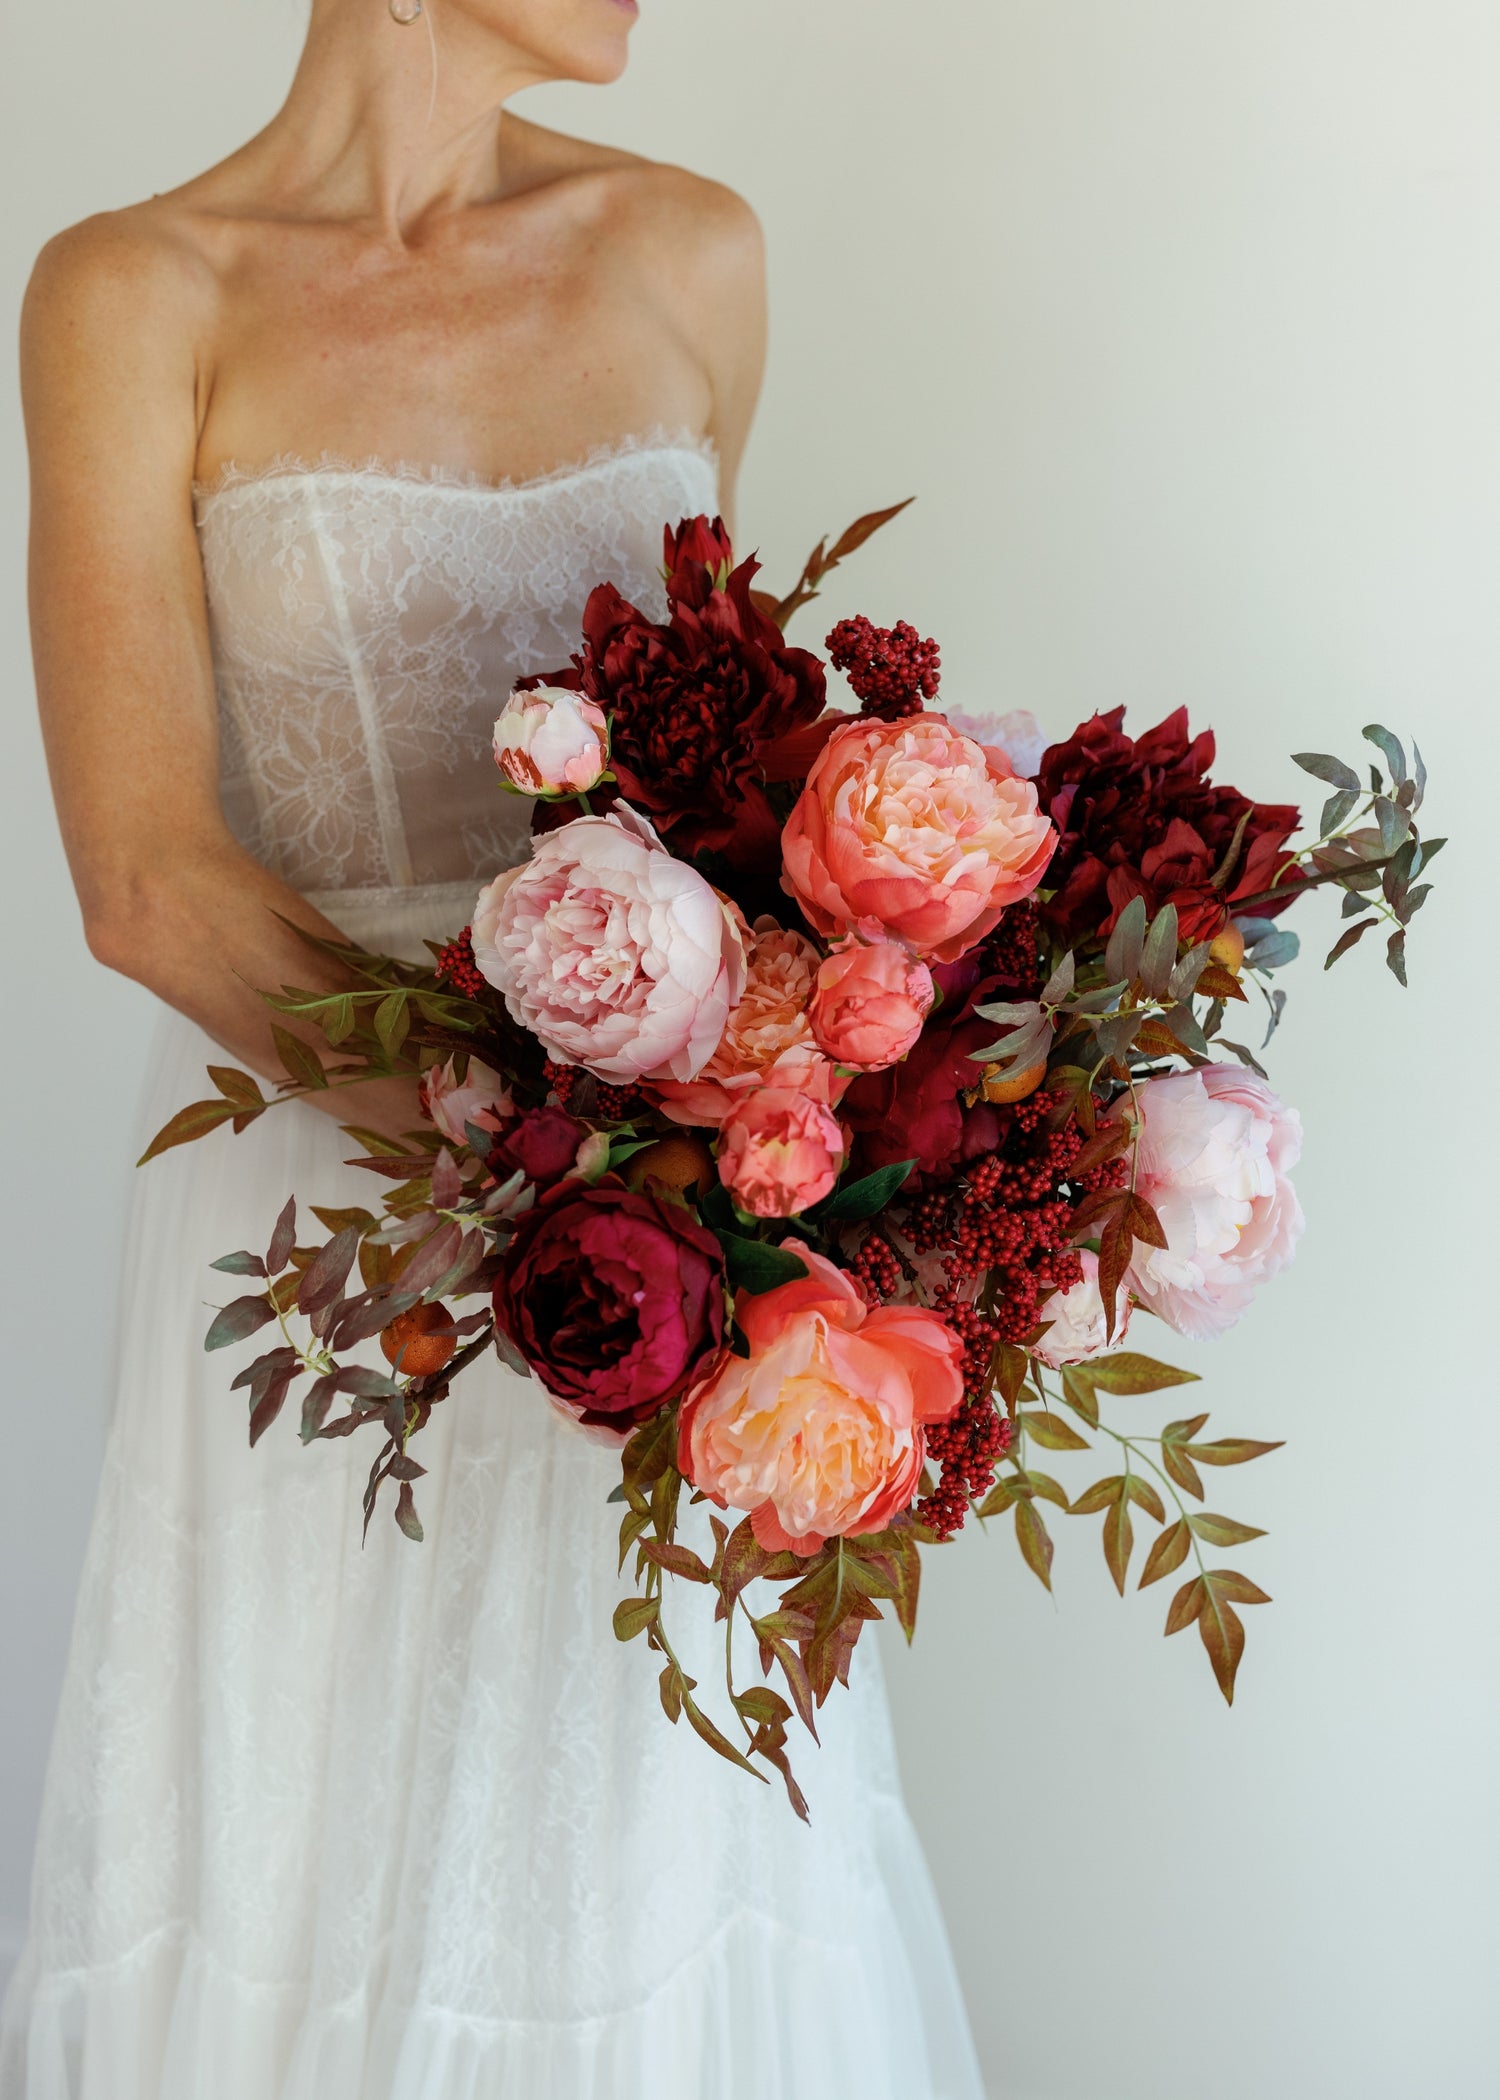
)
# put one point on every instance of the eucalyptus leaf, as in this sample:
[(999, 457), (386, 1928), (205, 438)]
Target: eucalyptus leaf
[(1122, 957), (1060, 984), (1159, 957), (1337, 810), (1333, 770), (1388, 745), (1274, 951)]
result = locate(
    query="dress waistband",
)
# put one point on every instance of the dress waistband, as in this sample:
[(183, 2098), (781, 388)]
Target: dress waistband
[(398, 921)]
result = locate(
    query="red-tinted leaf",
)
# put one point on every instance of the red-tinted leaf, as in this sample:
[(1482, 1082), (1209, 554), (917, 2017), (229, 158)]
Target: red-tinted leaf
[(194, 1121), (1186, 1605), (283, 1238), (325, 1280), (242, 1317), (1119, 1540), (1223, 1531), (1231, 1451), (1167, 1554), (1035, 1542), (406, 1513)]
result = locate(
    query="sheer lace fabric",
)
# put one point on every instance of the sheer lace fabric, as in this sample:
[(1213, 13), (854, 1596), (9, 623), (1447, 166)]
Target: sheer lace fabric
[(338, 1821), (367, 623)]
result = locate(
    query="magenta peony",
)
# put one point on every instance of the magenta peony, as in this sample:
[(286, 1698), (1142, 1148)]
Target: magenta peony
[(614, 1299), (613, 953), (819, 1431), (1216, 1147), (918, 827), (871, 999), (550, 741), (781, 1147)]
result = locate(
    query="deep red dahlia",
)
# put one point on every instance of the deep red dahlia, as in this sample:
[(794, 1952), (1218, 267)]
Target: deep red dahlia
[(1139, 817), (696, 702)]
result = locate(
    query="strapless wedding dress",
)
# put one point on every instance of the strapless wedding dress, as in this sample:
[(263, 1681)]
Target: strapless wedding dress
[(404, 1822)]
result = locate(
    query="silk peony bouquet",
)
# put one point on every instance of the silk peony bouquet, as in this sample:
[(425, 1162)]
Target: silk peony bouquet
[(815, 1115)]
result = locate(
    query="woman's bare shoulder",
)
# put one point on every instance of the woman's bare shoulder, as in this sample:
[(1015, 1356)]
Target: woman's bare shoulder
[(669, 206), (124, 274)]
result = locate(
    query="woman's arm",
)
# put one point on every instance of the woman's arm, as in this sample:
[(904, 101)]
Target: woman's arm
[(112, 382)]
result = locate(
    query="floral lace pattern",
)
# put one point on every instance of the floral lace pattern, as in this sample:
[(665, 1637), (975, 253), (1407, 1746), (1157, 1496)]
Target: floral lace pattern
[(368, 621)]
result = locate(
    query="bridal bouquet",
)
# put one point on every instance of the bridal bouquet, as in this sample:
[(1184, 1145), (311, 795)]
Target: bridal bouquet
[(815, 1116)]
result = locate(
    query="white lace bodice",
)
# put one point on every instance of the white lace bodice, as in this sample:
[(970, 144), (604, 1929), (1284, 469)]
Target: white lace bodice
[(367, 623)]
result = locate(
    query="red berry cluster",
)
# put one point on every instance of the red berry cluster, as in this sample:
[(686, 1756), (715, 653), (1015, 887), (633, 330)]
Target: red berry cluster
[(611, 1104), (456, 966), (891, 669), (968, 1447), (877, 1270), (1008, 1213)]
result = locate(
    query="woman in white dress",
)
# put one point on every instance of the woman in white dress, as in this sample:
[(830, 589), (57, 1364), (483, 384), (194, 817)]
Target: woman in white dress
[(328, 446)]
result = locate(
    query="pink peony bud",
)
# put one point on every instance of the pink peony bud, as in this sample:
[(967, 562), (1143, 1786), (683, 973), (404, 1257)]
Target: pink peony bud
[(780, 1150), (482, 1099), (551, 742), (869, 1003)]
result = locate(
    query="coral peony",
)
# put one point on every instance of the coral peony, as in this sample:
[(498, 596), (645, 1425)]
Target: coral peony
[(918, 827), (616, 955), (615, 1299), (819, 1431), (780, 1150), (871, 999), (550, 741), (1140, 818), (768, 1028), (1077, 1331), (1215, 1149), (481, 1098)]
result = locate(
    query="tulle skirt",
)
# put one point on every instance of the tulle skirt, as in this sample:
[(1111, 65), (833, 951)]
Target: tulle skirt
[(327, 1820)]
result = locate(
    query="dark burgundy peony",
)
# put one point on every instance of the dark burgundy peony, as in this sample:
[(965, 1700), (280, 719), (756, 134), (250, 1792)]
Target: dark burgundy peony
[(1140, 818), (616, 1300), (694, 703)]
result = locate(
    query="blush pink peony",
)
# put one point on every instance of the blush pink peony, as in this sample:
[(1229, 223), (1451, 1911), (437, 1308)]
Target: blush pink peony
[(871, 999), (1216, 1149), (819, 1431), (481, 1098), (1077, 1331), (917, 826), (767, 1039), (613, 953), (781, 1147), (551, 742)]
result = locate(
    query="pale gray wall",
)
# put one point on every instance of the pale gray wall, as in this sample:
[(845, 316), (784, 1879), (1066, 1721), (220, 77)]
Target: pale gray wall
[(1182, 317)]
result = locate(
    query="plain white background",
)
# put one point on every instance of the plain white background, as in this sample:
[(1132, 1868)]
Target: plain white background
[(1182, 318)]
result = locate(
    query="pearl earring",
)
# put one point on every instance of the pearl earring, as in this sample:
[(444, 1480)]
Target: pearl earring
[(405, 14)]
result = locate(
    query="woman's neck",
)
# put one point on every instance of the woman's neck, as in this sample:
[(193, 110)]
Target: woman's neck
[(391, 122)]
